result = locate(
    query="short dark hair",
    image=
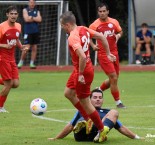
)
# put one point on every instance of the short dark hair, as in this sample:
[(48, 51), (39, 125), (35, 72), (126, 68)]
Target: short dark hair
[(68, 17), (11, 8), (102, 5), (96, 90), (144, 25)]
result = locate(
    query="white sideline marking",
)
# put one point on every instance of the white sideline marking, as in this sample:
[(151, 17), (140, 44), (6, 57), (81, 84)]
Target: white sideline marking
[(62, 121), (141, 128), (61, 110), (149, 106), (50, 119)]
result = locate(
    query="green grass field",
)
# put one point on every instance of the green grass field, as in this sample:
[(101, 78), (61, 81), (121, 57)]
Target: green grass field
[(19, 127)]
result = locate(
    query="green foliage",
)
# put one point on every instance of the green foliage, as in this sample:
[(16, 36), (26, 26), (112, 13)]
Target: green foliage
[(19, 127)]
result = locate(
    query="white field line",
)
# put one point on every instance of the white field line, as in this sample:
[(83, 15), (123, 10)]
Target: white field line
[(49, 119), (62, 121), (141, 128), (60, 110)]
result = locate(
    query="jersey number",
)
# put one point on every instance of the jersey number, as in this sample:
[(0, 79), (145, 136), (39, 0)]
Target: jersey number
[(86, 40)]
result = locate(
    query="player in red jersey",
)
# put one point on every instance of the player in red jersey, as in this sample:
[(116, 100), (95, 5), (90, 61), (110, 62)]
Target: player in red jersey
[(112, 31), (9, 39), (78, 86)]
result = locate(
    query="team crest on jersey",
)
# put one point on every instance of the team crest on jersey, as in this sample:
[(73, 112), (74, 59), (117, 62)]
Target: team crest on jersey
[(35, 12), (17, 34), (110, 25)]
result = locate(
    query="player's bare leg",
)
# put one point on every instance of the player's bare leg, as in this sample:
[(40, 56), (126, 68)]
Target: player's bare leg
[(71, 95), (113, 79), (33, 56), (4, 93), (23, 56)]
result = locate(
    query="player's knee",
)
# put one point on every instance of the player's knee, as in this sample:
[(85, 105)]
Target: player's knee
[(113, 78), (66, 94), (15, 85), (115, 113)]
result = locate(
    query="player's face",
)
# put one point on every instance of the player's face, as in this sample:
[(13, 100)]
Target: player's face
[(103, 13), (12, 16), (97, 99), (144, 30), (31, 4), (65, 27)]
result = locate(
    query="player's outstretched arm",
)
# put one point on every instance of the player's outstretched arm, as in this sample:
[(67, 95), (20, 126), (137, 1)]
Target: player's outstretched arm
[(127, 132), (67, 129)]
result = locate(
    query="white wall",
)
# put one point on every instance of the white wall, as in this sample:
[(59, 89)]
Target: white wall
[(145, 12)]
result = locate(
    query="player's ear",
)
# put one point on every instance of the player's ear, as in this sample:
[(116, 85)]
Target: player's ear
[(7, 14)]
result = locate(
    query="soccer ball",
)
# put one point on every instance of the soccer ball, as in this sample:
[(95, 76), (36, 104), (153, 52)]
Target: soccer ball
[(38, 106)]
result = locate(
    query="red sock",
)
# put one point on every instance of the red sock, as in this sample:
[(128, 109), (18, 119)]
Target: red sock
[(96, 119), (1, 81), (115, 95), (2, 100), (82, 111), (104, 86)]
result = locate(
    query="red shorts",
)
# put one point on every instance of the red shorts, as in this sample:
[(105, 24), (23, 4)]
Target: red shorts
[(108, 66), (8, 70), (82, 90)]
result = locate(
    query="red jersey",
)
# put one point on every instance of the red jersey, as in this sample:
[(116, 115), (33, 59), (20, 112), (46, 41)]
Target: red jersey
[(9, 35), (80, 38), (109, 29)]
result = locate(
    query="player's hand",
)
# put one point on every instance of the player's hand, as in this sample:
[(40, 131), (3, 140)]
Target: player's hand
[(81, 79), (9, 46), (111, 57), (117, 37), (95, 47), (25, 48)]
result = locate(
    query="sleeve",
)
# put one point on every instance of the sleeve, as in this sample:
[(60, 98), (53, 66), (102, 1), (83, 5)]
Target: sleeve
[(74, 41), (118, 27), (0, 32), (76, 117), (138, 34), (150, 34), (92, 26), (91, 32), (118, 124)]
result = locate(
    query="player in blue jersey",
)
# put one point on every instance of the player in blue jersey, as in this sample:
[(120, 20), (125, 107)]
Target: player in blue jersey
[(32, 18), (143, 40), (109, 117)]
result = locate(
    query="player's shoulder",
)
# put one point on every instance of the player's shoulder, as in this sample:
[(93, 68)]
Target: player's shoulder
[(149, 31), (18, 24), (3, 23), (95, 23), (112, 20)]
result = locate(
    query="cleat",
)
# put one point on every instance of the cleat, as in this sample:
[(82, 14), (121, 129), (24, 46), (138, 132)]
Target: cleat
[(102, 136), (120, 105), (32, 66), (89, 125), (20, 65), (79, 126), (138, 62), (2, 110)]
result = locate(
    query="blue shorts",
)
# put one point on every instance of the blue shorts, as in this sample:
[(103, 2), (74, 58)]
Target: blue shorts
[(32, 38)]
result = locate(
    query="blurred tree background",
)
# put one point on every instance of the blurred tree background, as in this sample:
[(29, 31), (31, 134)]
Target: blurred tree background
[(86, 12)]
